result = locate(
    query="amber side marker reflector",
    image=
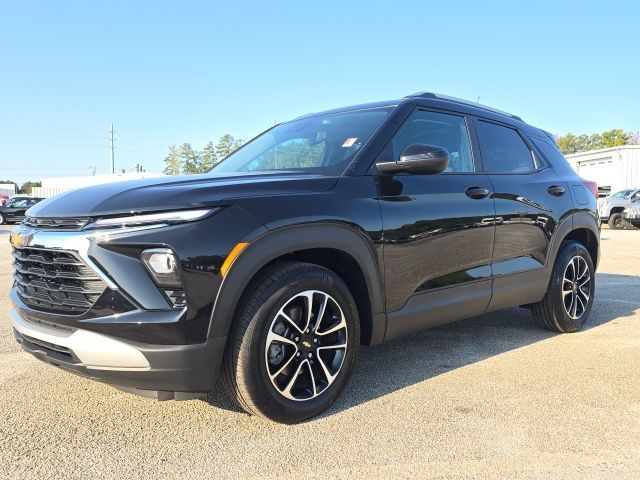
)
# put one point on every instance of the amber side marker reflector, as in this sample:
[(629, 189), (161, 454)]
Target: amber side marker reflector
[(237, 250)]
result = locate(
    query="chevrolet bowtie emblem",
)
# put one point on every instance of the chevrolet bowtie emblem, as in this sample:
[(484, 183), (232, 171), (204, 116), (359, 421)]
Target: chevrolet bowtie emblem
[(20, 239)]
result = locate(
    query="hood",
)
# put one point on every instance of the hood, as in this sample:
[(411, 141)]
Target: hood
[(171, 193)]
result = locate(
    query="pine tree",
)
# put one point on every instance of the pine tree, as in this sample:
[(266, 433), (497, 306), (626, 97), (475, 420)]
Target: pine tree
[(190, 160), (227, 145), (209, 157), (172, 161)]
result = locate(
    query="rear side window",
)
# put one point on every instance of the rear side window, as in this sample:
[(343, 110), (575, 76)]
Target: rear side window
[(503, 150)]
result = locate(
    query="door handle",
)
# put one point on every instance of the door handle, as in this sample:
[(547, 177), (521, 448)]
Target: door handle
[(477, 192), (556, 190)]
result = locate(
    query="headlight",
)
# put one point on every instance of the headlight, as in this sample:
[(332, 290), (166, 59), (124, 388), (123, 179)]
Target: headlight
[(172, 217)]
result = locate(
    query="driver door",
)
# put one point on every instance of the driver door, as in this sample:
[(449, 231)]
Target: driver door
[(438, 229)]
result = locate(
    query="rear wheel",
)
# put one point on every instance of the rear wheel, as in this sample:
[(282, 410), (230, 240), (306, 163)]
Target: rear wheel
[(616, 222), (567, 304), (294, 345)]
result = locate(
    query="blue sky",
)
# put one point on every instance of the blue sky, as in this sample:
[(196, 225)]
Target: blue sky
[(173, 72)]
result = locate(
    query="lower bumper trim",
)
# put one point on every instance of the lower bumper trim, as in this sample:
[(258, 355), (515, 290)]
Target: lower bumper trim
[(176, 372), (93, 350)]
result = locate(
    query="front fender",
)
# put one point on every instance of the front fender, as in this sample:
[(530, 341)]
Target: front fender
[(285, 240)]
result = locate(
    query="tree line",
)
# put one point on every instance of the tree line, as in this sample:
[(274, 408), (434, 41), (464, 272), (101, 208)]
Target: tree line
[(186, 160), (617, 137)]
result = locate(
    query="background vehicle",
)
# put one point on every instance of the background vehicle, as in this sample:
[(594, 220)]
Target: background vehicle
[(14, 211), (631, 214), (611, 207), (336, 229)]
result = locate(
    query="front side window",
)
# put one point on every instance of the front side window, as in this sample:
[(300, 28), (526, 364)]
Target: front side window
[(440, 130), (322, 144), (503, 150)]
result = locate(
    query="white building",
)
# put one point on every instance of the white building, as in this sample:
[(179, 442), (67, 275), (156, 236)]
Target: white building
[(613, 169), (54, 186)]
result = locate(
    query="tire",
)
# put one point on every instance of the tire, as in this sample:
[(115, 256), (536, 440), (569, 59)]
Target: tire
[(2, 219), (259, 369), (566, 307), (616, 222)]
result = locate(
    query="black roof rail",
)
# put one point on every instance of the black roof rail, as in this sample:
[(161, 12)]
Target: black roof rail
[(437, 96)]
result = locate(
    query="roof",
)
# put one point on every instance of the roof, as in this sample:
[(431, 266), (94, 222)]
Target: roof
[(471, 107), (438, 96)]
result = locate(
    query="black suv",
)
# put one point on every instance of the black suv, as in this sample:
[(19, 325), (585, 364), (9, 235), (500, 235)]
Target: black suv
[(334, 230), (14, 211)]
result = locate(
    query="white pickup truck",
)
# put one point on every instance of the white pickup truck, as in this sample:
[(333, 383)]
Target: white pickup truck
[(611, 207)]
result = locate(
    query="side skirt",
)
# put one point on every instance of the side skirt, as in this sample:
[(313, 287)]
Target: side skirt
[(433, 308), (519, 289)]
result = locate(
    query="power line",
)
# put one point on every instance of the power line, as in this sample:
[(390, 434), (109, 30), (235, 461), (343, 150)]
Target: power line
[(113, 158)]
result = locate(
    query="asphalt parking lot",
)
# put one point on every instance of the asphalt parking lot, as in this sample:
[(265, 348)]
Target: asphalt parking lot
[(492, 397)]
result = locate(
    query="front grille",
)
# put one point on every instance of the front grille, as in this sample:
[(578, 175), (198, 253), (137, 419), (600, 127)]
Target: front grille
[(633, 212), (56, 223), (55, 281)]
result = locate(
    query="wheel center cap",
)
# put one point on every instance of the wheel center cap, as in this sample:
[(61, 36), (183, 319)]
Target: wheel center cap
[(306, 344)]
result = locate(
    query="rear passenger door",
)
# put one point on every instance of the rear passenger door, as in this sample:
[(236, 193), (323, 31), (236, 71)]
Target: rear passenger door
[(529, 200)]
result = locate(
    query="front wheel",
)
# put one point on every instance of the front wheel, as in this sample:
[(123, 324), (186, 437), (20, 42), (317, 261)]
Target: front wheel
[(616, 222), (567, 304), (294, 344)]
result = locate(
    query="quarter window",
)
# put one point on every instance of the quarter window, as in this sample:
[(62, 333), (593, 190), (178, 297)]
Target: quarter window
[(550, 152), (503, 150), (440, 130)]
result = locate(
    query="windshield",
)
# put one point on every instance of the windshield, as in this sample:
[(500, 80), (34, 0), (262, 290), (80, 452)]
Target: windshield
[(622, 194), (323, 144)]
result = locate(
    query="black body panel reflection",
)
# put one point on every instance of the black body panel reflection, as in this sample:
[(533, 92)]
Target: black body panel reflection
[(432, 231)]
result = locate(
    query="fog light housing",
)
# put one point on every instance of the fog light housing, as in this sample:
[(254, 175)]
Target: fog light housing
[(162, 264)]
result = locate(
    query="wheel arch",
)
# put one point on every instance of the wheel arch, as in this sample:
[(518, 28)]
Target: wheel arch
[(340, 248), (581, 227), (618, 209)]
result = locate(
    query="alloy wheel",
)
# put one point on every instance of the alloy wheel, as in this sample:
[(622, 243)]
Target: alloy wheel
[(306, 345), (576, 287)]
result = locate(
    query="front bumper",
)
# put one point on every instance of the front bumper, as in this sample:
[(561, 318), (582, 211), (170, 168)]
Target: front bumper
[(159, 371), (134, 337), (632, 215)]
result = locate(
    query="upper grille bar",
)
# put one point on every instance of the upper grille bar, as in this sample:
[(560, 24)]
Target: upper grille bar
[(56, 223)]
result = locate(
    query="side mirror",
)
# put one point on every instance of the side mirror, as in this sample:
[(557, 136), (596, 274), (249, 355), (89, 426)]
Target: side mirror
[(418, 159)]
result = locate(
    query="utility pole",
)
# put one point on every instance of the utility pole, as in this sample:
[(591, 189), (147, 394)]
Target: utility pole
[(113, 156)]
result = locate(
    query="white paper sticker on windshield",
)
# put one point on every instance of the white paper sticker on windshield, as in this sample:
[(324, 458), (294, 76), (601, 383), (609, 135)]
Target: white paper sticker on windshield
[(349, 142)]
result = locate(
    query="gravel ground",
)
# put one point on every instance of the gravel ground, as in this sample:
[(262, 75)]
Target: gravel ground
[(492, 397)]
